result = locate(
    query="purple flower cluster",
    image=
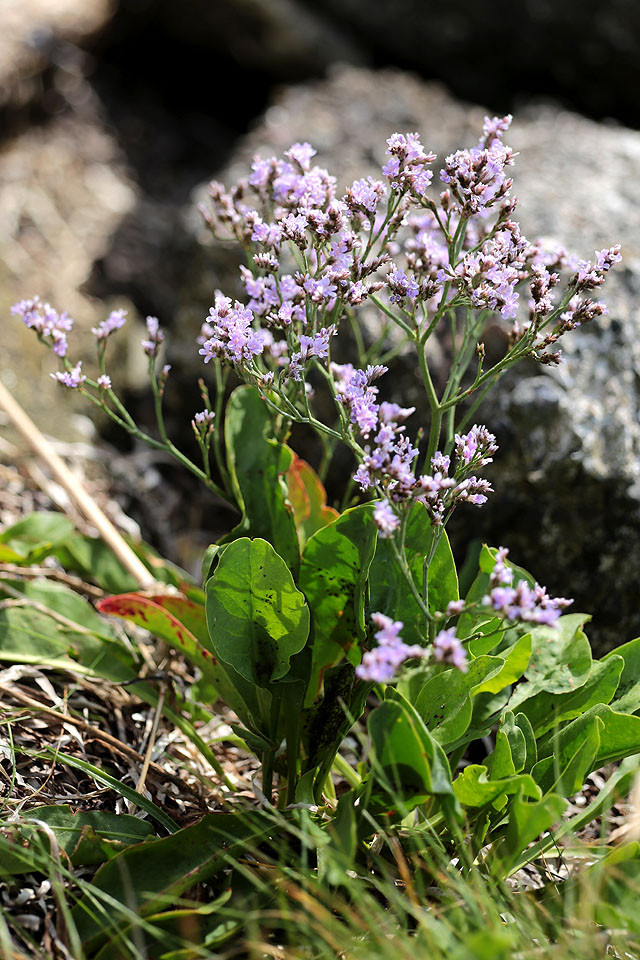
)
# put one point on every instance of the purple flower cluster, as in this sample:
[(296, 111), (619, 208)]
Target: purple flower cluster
[(387, 464), (379, 665), (315, 346), (488, 277), (230, 333), (448, 649), (406, 168), (476, 178), (386, 520), (115, 320), (51, 326), (591, 274), (70, 378), (521, 602), (155, 337)]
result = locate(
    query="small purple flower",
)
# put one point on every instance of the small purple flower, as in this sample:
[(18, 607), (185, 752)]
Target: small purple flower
[(379, 665), (448, 649), (402, 286), (70, 378), (521, 602), (454, 608), (104, 382), (293, 228), (385, 519), (47, 322), (591, 275), (477, 446), (115, 320), (364, 195), (315, 346), (302, 154), (233, 335), (155, 337), (205, 417)]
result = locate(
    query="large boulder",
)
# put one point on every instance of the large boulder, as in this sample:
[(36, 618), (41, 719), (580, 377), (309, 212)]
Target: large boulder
[(567, 478)]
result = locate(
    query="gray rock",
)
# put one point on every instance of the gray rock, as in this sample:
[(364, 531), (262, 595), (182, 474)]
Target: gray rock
[(567, 479), (36, 34)]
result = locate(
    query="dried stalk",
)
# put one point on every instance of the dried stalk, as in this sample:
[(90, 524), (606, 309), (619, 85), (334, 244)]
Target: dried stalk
[(76, 492)]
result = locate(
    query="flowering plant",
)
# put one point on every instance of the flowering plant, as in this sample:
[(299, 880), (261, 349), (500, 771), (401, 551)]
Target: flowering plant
[(307, 611)]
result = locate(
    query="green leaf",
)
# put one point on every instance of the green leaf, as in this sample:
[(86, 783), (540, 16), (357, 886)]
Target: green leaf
[(560, 659), (388, 589), (473, 788), (545, 710), (565, 771), (619, 735), (258, 467), (444, 703), (516, 661), (527, 820), (337, 857), (500, 762), (93, 560), (30, 636), (531, 752), (34, 537), (150, 875), (333, 578), (408, 766), (510, 751), (628, 693), (86, 837), (257, 618)]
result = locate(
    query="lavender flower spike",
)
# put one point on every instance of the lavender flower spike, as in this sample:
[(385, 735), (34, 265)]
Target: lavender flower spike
[(115, 320), (448, 649), (156, 336), (385, 519), (380, 664), (70, 378)]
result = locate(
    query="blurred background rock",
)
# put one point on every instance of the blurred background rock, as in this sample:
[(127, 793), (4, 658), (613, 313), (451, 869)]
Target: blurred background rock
[(114, 113)]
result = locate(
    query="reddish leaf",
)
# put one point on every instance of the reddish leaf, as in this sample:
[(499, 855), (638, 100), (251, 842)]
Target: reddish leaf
[(308, 499)]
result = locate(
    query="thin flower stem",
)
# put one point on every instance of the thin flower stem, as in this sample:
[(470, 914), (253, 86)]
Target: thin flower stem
[(406, 572), (392, 316), (434, 404)]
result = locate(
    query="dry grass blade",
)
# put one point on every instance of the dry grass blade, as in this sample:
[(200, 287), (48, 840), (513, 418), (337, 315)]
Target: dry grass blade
[(85, 503)]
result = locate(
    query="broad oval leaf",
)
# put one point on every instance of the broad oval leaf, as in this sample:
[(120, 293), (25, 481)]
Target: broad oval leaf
[(628, 693), (333, 577), (86, 837), (149, 875), (560, 659), (408, 765), (257, 617), (545, 709), (445, 703)]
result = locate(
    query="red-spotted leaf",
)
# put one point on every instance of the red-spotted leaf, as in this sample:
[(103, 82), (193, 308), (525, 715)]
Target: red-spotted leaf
[(163, 617), (308, 499)]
